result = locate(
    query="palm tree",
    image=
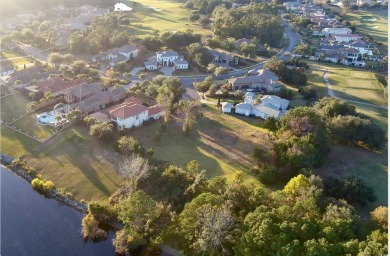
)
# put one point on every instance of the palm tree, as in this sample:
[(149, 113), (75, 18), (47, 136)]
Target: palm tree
[(31, 106), (32, 95), (89, 120), (58, 118)]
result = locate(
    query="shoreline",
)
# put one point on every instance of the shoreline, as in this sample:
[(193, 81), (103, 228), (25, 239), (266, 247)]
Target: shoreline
[(6, 161)]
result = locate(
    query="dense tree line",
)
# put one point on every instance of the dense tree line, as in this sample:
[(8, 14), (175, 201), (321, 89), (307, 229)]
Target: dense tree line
[(182, 208), (255, 20)]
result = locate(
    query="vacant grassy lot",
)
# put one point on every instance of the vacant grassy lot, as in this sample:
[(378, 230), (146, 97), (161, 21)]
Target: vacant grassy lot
[(13, 106), (222, 144), (347, 83), (373, 23), (162, 15), (11, 58)]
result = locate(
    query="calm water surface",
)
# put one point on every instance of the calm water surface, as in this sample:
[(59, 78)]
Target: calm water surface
[(34, 225)]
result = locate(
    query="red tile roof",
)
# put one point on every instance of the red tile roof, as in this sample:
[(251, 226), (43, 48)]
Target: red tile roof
[(125, 110), (154, 110)]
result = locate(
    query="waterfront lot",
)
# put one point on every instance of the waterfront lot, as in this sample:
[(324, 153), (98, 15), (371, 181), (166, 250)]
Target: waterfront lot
[(151, 15), (29, 125), (13, 106)]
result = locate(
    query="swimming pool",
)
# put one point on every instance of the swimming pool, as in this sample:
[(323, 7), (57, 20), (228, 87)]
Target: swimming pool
[(46, 119)]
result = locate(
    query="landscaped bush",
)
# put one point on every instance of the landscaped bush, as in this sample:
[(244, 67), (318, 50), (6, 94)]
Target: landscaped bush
[(42, 186), (150, 151)]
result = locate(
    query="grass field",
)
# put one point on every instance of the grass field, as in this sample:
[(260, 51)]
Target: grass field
[(373, 23), (13, 106), (347, 83), (222, 144), (162, 15), (12, 58), (73, 160)]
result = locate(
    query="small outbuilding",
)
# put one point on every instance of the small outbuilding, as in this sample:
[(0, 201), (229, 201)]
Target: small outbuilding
[(227, 107)]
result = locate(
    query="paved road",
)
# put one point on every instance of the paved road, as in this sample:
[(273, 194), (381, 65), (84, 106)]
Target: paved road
[(189, 80), (34, 52)]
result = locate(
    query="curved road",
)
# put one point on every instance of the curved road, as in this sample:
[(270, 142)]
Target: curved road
[(188, 81)]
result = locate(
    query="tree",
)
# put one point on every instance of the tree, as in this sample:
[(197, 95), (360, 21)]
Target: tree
[(221, 71), (215, 229), (199, 55), (103, 131), (204, 86), (89, 120), (331, 107), (190, 111), (308, 92), (32, 95), (271, 124), (295, 185), (55, 58), (143, 76), (134, 169), (248, 50), (380, 216), (127, 145), (31, 106), (302, 49)]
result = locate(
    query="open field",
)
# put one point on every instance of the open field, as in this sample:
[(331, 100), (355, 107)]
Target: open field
[(373, 23), (11, 58), (222, 144), (162, 15)]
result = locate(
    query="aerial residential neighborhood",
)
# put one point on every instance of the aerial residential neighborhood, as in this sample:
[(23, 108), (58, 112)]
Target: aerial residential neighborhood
[(168, 127)]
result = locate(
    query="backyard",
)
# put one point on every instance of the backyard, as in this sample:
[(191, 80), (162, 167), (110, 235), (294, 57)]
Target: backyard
[(151, 15), (11, 59)]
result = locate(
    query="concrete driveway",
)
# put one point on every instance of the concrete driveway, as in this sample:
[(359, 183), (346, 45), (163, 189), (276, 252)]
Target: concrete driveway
[(135, 70), (167, 71)]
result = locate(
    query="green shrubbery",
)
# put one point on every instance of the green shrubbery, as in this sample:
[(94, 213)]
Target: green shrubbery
[(42, 186)]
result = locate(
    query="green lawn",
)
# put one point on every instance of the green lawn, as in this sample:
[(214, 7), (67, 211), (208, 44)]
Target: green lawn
[(373, 23), (347, 83), (12, 58), (73, 160), (13, 106), (29, 125), (161, 15), (222, 144)]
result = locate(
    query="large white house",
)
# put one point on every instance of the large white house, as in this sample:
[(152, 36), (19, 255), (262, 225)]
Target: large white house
[(132, 113), (166, 58), (270, 106)]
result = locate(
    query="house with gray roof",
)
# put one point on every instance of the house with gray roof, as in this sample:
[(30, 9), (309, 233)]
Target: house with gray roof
[(266, 81), (151, 63), (222, 57)]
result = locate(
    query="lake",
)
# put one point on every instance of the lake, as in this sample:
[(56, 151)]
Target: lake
[(34, 225)]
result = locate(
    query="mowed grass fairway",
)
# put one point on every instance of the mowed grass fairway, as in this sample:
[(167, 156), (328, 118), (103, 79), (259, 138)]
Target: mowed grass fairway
[(162, 15), (222, 144), (72, 159), (347, 83), (373, 23)]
